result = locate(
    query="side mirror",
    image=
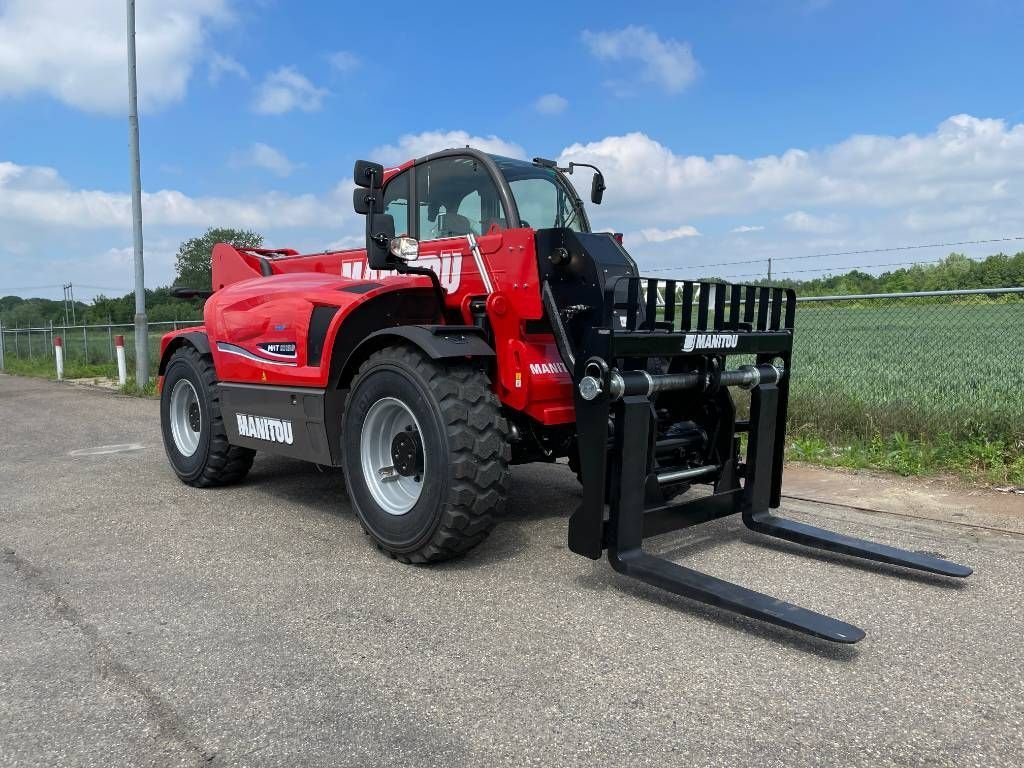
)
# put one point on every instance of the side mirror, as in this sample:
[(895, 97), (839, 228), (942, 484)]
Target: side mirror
[(380, 231), (367, 174), (597, 188), (405, 248), (365, 200)]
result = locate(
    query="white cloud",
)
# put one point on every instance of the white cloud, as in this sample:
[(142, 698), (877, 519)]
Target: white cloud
[(347, 242), (655, 235), (37, 196), (667, 63), (962, 181), (220, 65), (74, 50), (745, 228), (344, 61), (801, 221), (286, 89), (413, 145), (551, 104), (264, 156), (965, 160)]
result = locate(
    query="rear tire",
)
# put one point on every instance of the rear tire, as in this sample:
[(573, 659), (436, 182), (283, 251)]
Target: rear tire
[(192, 426), (440, 423)]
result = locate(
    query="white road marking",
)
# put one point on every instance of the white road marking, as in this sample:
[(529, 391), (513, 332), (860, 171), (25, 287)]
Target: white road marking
[(102, 450)]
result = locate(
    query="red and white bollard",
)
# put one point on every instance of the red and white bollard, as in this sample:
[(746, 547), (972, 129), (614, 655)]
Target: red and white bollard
[(58, 355), (122, 365)]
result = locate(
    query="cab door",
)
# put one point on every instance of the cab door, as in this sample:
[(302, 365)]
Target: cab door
[(456, 197)]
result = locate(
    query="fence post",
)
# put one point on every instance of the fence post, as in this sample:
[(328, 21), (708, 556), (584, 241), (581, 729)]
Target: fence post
[(51, 339), (17, 345), (58, 351), (122, 364), (110, 337), (29, 343), (1, 346), (85, 345)]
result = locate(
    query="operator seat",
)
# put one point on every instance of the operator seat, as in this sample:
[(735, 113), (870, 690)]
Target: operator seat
[(453, 225)]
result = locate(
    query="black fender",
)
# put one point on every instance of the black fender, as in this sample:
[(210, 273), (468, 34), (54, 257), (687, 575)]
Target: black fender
[(439, 342), (197, 339)]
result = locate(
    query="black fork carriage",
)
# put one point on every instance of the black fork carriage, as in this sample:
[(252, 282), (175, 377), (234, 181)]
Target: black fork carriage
[(659, 355)]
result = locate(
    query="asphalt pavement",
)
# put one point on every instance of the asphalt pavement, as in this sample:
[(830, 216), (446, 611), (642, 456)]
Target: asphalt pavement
[(146, 623)]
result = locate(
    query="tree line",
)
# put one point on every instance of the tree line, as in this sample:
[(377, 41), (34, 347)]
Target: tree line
[(955, 272), (192, 269)]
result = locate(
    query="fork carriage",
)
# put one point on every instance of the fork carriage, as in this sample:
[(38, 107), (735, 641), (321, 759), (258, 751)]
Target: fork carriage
[(628, 460)]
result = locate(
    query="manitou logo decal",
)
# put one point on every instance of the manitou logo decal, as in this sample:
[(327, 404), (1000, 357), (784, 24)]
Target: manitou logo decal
[(446, 265), (542, 368), (263, 428), (279, 348), (695, 341)]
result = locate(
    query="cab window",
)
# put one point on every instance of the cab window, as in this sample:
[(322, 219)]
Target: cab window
[(396, 202), (455, 197)]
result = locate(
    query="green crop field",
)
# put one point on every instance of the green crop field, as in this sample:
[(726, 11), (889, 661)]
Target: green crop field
[(923, 369)]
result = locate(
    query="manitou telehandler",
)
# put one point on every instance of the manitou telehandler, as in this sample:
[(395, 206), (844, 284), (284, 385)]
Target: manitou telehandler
[(496, 328)]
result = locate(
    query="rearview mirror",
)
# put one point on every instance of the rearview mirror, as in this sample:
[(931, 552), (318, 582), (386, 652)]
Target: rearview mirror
[(597, 188), (364, 200), (405, 248), (366, 174), (380, 231)]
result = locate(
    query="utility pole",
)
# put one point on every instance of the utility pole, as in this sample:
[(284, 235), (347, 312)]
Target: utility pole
[(769, 269), (69, 299), (141, 330)]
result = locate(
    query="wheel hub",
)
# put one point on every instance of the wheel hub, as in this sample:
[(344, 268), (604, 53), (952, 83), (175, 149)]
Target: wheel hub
[(407, 453), (392, 455), (193, 416), (186, 419)]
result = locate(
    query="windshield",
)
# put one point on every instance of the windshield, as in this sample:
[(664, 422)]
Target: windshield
[(543, 198)]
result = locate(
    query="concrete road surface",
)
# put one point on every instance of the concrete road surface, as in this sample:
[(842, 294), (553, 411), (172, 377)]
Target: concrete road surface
[(145, 623)]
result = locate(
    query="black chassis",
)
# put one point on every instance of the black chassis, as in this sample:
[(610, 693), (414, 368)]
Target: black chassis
[(611, 325)]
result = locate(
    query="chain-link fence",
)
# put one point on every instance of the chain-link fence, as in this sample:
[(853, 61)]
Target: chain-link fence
[(918, 363), (89, 350)]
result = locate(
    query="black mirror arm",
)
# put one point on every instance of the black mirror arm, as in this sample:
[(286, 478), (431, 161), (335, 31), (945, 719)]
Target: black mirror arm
[(594, 168), (597, 186)]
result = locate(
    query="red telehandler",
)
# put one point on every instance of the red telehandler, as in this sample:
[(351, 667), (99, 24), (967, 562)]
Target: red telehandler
[(496, 328)]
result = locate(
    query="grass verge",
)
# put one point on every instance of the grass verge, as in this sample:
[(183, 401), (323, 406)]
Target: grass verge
[(147, 390), (974, 459), (44, 368)]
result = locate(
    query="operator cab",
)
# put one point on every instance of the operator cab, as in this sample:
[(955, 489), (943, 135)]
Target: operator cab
[(460, 194)]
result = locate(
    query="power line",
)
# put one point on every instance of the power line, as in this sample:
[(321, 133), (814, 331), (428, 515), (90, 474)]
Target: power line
[(890, 249), (60, 285), (849, 268), (829, 269)]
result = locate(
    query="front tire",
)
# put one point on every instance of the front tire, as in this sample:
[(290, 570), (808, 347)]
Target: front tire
[(193, 427), (426, 454)]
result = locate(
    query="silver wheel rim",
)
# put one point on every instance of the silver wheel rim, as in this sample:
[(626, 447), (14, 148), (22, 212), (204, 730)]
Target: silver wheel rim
[(396, 494), (186, 417)]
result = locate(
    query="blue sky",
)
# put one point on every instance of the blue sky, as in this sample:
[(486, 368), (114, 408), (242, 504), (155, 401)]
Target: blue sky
[(727, 130)]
